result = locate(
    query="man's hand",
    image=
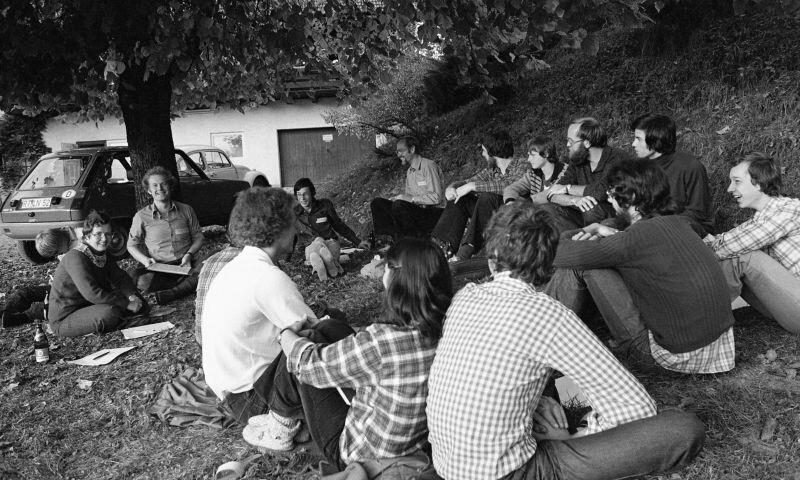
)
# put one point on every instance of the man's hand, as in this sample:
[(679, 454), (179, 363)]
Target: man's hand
[(365, 245), (558, 189), (585, 204), (464, 190), (450, 193), (149, 261), (134, 304), (402, 196), (551, 414), (598, 230), (186, 261)]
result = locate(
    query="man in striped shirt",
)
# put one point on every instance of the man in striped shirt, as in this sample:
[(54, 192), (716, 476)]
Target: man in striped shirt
[(761, 257), (501, 342)]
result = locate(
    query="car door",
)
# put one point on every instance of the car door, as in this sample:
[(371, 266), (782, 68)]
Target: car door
[(212, 200), (219, 166)]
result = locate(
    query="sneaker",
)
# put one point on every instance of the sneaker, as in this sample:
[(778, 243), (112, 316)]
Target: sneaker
[(260, 421), (273, 434)]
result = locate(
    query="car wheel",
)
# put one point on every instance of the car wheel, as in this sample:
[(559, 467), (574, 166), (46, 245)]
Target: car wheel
[(118, 244), (27, 249), (260, 182)]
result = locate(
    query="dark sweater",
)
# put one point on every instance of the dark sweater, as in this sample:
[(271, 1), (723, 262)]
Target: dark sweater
[(78, 283), (596, 184), (674, 278), (323, 221), (688, 185)]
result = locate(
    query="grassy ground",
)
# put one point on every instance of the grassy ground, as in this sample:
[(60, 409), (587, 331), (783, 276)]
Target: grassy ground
[(732, 85)]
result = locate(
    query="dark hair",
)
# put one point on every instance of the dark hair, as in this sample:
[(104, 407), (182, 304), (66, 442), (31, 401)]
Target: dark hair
[(158, 170), (259, 216), (420, 288), (410, 141), (94, 219), (765, 172), (546, 148), (498, 143), (641, 184), (305, 183), (590, 129), (52, 242), (523, 239), (659, 132)]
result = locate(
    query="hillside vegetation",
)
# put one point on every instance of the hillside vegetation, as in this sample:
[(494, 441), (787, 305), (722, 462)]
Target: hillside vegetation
[(733, 86)]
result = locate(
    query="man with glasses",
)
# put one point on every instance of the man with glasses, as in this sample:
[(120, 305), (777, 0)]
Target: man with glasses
[(578, 198), (658, 287), (167, 232), (414, 212)]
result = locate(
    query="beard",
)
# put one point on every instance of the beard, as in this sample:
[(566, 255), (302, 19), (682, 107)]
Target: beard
[(491, 162), (622, 220), (578, 157)]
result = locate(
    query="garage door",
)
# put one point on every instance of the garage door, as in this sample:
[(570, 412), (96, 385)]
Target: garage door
[(318, 153)]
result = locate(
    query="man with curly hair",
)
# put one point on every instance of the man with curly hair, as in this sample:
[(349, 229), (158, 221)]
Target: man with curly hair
[(249, 302)]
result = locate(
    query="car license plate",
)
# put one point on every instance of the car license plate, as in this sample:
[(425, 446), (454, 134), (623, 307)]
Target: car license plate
[(35, 203)]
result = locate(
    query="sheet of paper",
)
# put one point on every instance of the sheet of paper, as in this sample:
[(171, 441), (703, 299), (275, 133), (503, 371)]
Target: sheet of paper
[(145, 330), (348, 251), (102, 357), (165, 268)]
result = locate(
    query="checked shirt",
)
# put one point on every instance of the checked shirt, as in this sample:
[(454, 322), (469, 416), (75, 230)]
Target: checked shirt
[(388, 367), (775, 229), (492, 179), (502, 340)]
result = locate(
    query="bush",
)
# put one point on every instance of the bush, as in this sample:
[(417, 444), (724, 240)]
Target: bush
[(21, 144)]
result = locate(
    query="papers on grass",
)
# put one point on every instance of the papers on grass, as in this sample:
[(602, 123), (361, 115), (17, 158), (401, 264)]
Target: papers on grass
[(145, 330), (166, 268), (103, 357)]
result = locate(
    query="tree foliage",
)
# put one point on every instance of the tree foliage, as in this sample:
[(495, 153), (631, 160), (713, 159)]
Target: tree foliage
[(20, 142)]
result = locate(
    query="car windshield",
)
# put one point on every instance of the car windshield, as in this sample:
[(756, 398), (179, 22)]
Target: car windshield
[(55, 172)]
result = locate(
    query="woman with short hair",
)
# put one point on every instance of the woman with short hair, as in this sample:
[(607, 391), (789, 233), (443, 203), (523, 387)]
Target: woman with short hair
[(90, 293)]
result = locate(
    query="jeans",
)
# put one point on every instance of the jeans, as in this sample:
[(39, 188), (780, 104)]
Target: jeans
[(92, 319), (399, 218), (454, 219), (277, 389), (766, 285), (178, 285), (570, 218), (574, 289), (655, 444), (487, 204)]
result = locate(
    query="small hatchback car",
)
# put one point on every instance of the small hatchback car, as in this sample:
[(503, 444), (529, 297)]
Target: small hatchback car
[(61, 188)]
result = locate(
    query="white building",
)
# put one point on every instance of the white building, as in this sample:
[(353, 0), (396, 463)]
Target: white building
[(284, 141)]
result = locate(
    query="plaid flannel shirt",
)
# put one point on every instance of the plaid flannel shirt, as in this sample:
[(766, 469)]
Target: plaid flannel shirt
[(388, 367), (716, 357), (502, 340), (492, 179), (211, 267), (775, 229)]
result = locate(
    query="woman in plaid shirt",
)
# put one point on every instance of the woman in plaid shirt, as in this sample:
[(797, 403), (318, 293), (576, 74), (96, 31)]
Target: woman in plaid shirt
[(387, 364)]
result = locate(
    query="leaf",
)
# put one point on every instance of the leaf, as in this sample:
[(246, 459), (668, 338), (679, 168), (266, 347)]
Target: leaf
[(769, 429), (550, 6), (724, 130), (84, 384), (771, 355), (659, 5)]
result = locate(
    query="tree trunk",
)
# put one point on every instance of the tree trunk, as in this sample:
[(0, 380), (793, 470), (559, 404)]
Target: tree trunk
[(145, 108)]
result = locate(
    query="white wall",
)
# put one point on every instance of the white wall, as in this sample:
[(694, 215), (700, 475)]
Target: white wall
[(259, 129)]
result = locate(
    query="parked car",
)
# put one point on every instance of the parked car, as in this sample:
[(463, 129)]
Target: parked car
[(216, 164), (60, 189)]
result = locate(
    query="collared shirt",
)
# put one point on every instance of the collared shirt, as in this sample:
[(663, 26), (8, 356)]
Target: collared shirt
[(246, 306), (775, 229), (388, 367), (168, 235), (716, 357), (323, 221), (493, 179), (424, 182), (485, 382), (211, 267)]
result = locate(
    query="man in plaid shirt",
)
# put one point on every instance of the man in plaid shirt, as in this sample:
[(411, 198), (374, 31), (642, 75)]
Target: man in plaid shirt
[(761, 257), (501, 342), (474, 200)]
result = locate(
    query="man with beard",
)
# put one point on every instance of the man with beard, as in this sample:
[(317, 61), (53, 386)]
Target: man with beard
[(654, 137), (415, 212), (474, 200), (659, 289), (579, 197)]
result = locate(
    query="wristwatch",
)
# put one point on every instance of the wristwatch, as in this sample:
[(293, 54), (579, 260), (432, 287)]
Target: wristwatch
[(566, 189)]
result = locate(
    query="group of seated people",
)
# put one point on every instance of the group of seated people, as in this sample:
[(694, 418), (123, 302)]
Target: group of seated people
[(459, 384)]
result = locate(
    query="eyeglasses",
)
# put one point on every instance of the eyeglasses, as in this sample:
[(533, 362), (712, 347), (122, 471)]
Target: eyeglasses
[(571, 142), (101, 235)]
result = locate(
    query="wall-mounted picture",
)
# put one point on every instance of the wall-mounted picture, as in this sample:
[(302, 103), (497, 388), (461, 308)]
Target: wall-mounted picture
[(231, 142)]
